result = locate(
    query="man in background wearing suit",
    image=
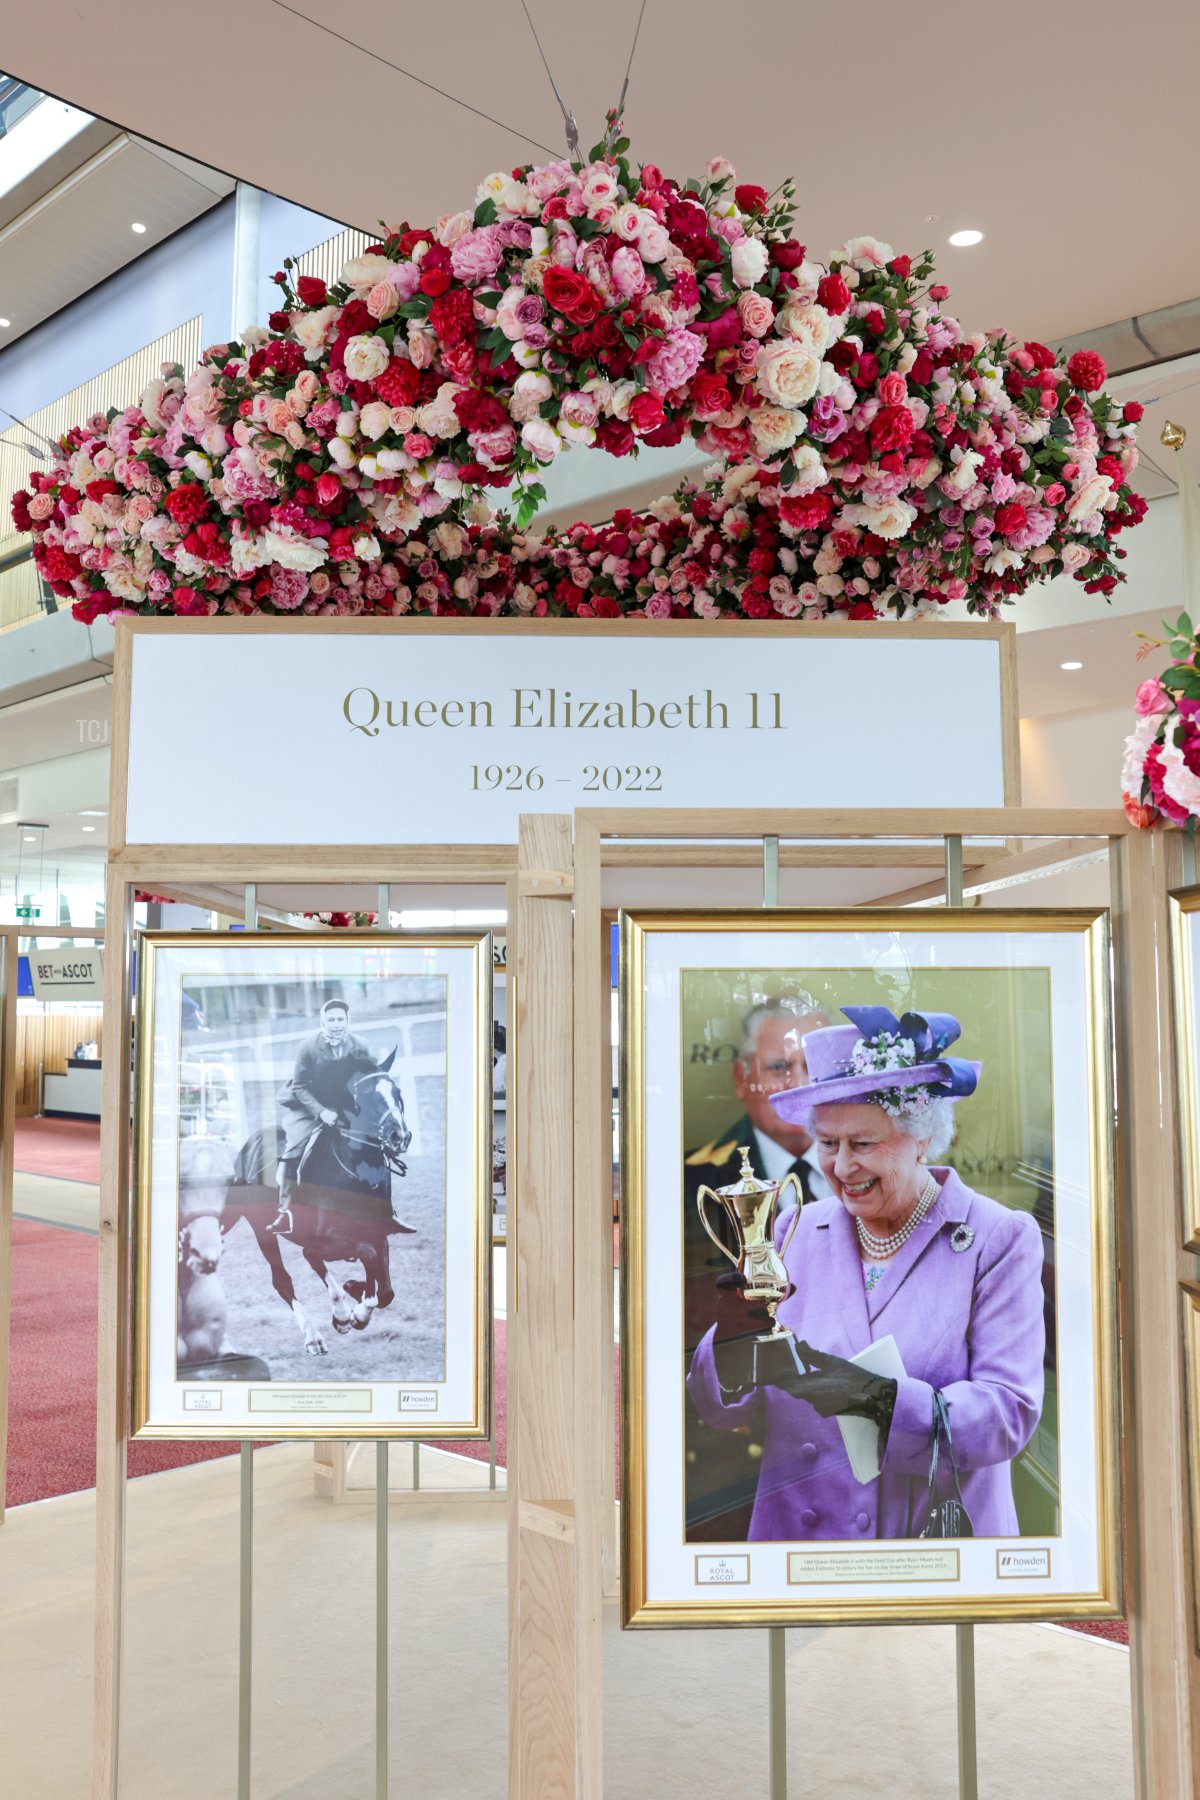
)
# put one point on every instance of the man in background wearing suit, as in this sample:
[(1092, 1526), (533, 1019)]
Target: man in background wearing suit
[(723, 1467)]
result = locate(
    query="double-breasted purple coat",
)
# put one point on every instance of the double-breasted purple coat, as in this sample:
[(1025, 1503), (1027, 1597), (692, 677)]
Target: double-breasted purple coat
[(968, 1321)]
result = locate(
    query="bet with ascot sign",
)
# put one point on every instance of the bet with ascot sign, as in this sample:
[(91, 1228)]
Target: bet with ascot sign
[(373, 732)]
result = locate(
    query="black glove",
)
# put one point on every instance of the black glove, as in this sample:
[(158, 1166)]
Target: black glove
[(832, 1386)]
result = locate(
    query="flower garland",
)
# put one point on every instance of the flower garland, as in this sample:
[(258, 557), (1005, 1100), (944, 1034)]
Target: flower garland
[(1160, 778), (339, 920), (873, 457)]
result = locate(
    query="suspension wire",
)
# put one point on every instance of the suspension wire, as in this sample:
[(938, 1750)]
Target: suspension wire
[(572, 128), (318, 25), (610, 136)]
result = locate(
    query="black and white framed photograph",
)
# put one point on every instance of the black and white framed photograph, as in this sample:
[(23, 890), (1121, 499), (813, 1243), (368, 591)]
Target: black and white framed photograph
[(314, 1185)]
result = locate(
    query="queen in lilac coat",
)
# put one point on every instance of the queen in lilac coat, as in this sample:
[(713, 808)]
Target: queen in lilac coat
[(903, 1249)]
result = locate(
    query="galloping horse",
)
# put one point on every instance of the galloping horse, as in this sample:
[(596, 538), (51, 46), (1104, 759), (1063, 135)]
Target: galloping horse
[(342, 1204)]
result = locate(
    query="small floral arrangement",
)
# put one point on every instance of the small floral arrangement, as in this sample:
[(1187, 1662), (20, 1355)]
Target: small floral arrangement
[(338, 919), (1160, 778), (874, 458), (888, 1050)]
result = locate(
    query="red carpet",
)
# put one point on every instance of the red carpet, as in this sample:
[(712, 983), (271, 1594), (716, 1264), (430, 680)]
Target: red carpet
[(52, 1385), (68, 1148)]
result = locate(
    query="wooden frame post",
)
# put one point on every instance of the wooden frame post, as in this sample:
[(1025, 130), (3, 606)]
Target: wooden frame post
[(554, 1624), (8, 1121), (1160, 1532)]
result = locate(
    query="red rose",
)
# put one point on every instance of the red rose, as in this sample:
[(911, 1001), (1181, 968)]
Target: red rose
[(96, 490), (1010, 518), (833, 293), (786, 253), (187, 504), (1110, 466), (863, 609), (20, 511), (435, 282), (751, 199), (646, 413), (409, 241), (939, 291), (663, 436), (901, 266), (1132, 411), (312, 290), (866, 371), (399, 384), (807, 512), (328, 490), (452, 316), (891, 427), (478, 411), (710, 394), (1086, 370), (278, 321), (614, 436), (722, 332), (564, 290), (1154, 775), (606, 606)]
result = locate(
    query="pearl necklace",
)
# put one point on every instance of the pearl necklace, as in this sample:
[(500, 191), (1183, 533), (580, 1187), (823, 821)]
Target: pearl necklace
[(877, 1247)]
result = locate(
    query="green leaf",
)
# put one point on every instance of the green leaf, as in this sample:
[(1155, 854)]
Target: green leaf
[(485, 212), (489, 299), (787, 472)]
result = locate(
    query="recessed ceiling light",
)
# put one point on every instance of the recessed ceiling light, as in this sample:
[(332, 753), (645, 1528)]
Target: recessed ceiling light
[(932, 218), (92, 812), (140, 228), (4, 324), (87, 828), (29, 838), (962, 240), (1070, 665)]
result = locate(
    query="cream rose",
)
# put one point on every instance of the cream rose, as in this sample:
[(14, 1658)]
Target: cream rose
[(788, 372), (363, 272), (1090, 499), (748, 260), (890, 519), (775, 428), (366, 357), (375, 419), (312, 329), (529, 392)]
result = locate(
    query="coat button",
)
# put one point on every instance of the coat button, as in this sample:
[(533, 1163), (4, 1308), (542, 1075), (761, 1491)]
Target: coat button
[(808, 1517), (809, 1452), (863, 1520)]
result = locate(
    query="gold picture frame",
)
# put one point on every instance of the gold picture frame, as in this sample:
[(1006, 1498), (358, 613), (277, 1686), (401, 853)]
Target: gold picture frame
[(1184, 905), (1092, 1100), (325, 1406)]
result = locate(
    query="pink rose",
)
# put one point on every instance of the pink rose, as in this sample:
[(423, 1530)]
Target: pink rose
[(494, 449), (1152, 697), (540, 439), (628, 273), (893, 391), (382, 300), (598, 186), (418, 444), (279, 417), (653, 241), (756, 314), (476, 255), (675, 360)]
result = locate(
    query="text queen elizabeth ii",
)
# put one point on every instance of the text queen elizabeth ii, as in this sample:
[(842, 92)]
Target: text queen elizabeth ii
[(903, 1248)]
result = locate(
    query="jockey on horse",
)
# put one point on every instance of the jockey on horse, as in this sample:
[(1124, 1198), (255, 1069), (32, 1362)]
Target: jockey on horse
[(317, 1094)]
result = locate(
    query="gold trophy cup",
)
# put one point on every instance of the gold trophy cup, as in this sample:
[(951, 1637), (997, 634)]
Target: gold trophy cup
[(752, 1206)]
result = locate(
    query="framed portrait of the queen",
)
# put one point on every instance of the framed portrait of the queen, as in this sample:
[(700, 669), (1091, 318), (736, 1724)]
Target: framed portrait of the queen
[(867, 1267), (313, 1185)]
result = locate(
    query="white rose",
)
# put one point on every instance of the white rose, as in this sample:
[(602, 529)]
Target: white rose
[(1003, 561), (305, 554), (312, 329), (375, 419), (963, 477), (341, 453), (808, 277), (367, 548), (810, 471), (200, 466), (1090, 499), (525, 356), (540, 438), (775, 428), (890, 519), (810, 325), (864, 253), (364, 271), (749, 261), (628, 220), (529, 392), (510, 195), (788, 372), (366, 357)]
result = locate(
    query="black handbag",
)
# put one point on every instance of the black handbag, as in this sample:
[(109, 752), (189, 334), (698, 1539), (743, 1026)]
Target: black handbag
[(944, 1518)]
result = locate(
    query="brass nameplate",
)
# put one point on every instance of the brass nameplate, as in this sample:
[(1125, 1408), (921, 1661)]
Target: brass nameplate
[(310, 1400), (816, 1568)]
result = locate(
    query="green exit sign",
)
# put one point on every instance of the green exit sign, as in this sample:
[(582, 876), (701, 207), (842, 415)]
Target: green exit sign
[(29, 912)]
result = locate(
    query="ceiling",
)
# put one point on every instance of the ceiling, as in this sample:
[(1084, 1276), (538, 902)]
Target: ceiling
[(1066, 133), (78, 231)]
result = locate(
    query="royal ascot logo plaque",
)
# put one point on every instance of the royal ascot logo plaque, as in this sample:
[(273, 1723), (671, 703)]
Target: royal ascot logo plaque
[(424, 727)]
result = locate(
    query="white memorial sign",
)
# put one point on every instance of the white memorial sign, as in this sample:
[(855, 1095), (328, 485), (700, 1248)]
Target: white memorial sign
[(71, 974), (383, 733)]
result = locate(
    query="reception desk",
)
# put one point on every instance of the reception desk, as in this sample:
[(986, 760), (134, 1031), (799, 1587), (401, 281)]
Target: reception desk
[(74, 1094)]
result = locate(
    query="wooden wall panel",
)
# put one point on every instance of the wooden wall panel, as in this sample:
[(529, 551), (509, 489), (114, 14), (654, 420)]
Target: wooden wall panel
[(47, 1039)]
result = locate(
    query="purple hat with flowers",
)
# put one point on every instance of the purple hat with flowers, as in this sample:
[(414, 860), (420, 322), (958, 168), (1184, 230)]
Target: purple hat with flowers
[(899, 1063)]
